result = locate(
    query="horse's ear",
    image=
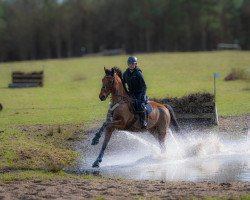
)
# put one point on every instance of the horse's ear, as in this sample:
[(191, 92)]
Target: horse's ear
[(112, 71), (106, 70)]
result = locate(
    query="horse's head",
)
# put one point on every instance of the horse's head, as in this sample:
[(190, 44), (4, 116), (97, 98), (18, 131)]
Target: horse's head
[(107, 84), (111, 82)]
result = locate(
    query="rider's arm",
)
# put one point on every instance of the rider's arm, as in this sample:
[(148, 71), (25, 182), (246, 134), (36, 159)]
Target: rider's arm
[(124, 83), (124, 78), (142, 82)]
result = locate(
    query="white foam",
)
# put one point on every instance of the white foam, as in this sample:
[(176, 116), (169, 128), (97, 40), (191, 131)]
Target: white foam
[(197, 157)]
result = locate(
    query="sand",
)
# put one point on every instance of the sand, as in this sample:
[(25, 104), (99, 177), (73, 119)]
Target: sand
[(119, 189)]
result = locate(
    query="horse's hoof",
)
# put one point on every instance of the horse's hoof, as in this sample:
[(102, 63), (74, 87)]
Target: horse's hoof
[(95, 142), (96, 164)]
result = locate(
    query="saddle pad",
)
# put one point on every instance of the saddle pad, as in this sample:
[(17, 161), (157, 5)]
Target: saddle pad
[(149, 108)]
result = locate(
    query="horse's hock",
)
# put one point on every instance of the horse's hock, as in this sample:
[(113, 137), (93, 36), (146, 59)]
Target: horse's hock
[(194, 108), (22, 80)]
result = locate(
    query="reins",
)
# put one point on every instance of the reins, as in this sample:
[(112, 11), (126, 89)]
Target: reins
[(123, 99)]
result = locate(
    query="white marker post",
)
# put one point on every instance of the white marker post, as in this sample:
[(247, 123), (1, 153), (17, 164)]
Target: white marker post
[(216, 120)]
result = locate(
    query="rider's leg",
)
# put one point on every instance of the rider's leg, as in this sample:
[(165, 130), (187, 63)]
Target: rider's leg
[(143, 119), (140, 108)]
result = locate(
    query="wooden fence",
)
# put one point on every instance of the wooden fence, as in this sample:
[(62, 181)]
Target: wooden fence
[(22, 80), (208, 113), (196, 108), (224, 46)]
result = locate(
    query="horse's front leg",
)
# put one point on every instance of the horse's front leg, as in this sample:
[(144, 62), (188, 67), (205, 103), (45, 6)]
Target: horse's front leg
[(95, 140), (115, 124), (108, 134), (98, 135)]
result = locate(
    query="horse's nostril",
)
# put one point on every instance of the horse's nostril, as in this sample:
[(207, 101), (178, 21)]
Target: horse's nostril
[(102, 98)]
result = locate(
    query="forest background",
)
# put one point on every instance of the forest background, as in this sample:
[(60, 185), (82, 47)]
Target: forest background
[(42, 29)]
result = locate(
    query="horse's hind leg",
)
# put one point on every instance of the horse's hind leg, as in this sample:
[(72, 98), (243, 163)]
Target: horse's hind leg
[(104, 145), (162, 139), (160, 136)]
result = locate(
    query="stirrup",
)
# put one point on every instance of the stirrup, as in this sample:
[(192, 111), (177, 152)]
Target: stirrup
[(144, 125)]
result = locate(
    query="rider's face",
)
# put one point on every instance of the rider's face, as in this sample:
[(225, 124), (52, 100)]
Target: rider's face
[(132, 66)]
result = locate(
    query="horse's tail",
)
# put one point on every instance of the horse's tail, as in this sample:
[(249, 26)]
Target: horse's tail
[(173, 118)]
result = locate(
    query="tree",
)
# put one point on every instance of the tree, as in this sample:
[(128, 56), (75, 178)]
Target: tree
[(245, 20), (37, 29), (22, 17), (2, 31)]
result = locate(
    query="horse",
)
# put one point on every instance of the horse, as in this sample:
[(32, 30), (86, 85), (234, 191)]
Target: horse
[(121, 115)]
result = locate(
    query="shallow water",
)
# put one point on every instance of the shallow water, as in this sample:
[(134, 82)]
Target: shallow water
[(199, 157)]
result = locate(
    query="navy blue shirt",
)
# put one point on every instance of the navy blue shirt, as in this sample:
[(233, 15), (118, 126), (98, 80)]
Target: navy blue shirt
[(135, 81)]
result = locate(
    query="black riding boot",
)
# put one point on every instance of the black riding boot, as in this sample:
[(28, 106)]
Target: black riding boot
[(143, 120)]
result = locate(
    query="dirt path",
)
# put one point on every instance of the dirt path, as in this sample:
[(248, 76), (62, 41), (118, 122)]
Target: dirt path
[(103, 188), (118, 189)]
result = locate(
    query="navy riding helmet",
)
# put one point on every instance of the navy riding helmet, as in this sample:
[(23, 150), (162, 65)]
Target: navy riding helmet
[(132, 60)]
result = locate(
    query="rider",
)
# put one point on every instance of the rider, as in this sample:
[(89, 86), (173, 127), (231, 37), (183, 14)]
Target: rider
[(137, 88)]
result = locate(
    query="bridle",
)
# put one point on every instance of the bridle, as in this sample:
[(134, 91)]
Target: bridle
[(104, 87), (123, 97)]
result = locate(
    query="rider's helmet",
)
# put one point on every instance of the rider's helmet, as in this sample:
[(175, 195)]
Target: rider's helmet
[(132, 60)]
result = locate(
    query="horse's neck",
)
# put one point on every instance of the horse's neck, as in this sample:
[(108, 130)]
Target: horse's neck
[(119, 92), (120, 96)]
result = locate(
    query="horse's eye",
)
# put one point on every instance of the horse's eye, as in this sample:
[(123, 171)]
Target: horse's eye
[(104, 87)]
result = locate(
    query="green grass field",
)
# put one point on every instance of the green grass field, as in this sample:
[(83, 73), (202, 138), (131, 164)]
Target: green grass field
[(71, 88), (70, 93)]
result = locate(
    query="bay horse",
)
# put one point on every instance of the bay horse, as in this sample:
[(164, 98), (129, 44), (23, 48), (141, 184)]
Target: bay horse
[(121, 114)]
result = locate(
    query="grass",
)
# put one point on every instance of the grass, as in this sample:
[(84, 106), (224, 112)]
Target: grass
[(40, 175), (24, 175), (238, 74), (34, 151), (67, 99), (70, 95), (100, 198)]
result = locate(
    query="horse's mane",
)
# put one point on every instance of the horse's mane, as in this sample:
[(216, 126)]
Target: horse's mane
[(110, 72), (118, 72)]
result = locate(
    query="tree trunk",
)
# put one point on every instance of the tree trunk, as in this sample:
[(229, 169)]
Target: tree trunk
[(148, 41), (58, 47), (69, 45), (204, 39)]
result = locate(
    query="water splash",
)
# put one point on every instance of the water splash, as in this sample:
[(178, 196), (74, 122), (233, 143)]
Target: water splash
[(146, 143), (198, 157)]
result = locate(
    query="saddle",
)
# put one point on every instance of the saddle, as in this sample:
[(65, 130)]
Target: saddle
[(146, 107), (143, 114)]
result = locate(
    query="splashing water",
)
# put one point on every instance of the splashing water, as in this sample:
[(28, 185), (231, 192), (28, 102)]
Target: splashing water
[(199, 157)]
